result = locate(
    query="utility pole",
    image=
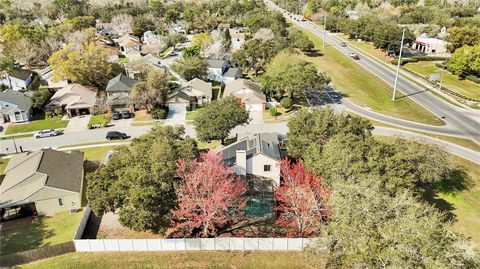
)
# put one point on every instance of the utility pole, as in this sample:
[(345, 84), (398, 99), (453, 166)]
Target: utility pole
[(324, 28), (398, 66)]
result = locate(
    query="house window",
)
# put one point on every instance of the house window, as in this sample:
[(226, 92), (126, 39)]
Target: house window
[(60, 201), (267, 168)]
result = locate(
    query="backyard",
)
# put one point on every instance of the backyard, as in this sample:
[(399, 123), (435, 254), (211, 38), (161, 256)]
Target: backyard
[(204, 259), (36, 125), (46, 231), (364, 88)]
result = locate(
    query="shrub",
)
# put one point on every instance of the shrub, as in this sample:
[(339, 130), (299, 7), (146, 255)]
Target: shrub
[(90, 126), (473, 78), (272, 111), (58, 111), (404, 61), (106, 120), (48, 114), (286, 102), (160, 112)]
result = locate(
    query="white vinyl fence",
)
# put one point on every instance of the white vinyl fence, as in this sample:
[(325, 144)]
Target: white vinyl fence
[(182, 244), (83, 223)]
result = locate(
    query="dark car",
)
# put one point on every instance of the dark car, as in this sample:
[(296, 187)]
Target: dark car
[(116, 135), (343, 44), (127, 115), (116, 116)]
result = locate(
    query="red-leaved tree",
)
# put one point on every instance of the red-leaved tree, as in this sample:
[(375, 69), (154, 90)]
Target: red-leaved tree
[(302, 200), (210, 197)]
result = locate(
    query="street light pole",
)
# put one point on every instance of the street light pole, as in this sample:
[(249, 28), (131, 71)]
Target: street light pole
[(398, 66), (324, 29)]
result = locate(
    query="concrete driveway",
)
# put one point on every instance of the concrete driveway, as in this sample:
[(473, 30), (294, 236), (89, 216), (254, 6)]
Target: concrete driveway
[(78, 124), (176, 117)]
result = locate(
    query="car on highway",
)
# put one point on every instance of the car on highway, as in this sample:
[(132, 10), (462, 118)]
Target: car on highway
[(112, 135), (353, 55), (343, 44), (46, 133), (116, 115)]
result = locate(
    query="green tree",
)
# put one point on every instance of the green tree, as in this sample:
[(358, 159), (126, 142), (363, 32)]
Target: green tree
[(202, 40), (299, 40), (312, 129), (217, 119), (460, 36), (465, 61), (291, 76), (191, 52), (40, 98), (255, 54), (153, 91), (88, 65), (369, 229), (191, 67), (174, 39), (141, 24), (68, 8), (140, 179)]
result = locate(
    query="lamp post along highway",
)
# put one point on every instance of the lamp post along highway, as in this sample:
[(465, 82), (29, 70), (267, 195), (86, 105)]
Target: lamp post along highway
[(324, 29), (398, 66)]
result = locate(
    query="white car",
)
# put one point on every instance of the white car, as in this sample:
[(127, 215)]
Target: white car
[(46, 133), (353, 55)]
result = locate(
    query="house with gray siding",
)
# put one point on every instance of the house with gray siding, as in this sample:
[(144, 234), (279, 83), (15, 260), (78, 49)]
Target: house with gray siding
[(15, 107)]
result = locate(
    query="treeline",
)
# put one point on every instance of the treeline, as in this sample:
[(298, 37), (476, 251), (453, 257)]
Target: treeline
[(379, 216)]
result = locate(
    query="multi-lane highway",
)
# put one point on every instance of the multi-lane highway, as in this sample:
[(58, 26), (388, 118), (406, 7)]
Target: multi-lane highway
[(455, 118)]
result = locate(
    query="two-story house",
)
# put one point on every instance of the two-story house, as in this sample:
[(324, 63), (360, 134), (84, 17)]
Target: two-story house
[(255, 155), (19, 79)]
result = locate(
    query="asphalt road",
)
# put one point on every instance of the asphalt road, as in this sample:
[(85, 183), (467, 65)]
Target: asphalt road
[(456, 119)]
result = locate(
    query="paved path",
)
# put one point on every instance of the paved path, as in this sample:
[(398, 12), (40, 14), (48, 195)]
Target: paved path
[(77, 124)]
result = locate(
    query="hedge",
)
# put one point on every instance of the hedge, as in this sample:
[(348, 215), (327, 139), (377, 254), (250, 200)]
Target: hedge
[(160, 112), (415, 59), (473, 78)]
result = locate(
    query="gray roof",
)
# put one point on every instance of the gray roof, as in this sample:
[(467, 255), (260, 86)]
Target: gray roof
[(234, 72), (265, 143), (21, 100), (120, 83), (119, 98), (21, 73), (64, 170), (216, 63)]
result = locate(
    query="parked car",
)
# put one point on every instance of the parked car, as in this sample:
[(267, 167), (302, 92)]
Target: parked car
[(127, 115), (173, 53), (116, 135), (46, 133), (343, 44), (354, 56), (116, 115)]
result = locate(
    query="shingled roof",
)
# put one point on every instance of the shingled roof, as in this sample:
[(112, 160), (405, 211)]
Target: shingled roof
[(120, 83), (21, 100), (259, 143)]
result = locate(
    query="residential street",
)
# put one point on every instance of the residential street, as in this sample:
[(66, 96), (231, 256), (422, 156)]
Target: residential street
[(455, 118)]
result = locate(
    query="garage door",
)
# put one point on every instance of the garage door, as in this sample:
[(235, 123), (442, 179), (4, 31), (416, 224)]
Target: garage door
[(177, 107), (254, 107)]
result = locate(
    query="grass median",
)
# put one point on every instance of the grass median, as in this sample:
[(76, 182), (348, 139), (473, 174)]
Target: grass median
[(364, 88)]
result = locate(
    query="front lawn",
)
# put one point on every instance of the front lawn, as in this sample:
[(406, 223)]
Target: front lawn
[(101, 120), (364, 88), (142, 115), (97, 153), (46, 231), (36, 125), (190, 259), (192, 114), (450, 81)]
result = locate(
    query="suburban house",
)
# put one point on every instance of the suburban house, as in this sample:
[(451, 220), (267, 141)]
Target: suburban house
[(149, 37), (128, 43), (46, 181), (194, 93), (74, 99), (19, 79), (256, 155), (429, 45), (216, 69), (15, 107), (46, 75), (248, 93), (232, 74), (118, 93)]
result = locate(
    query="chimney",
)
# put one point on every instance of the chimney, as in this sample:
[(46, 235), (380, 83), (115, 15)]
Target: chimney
[(241, 156)]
